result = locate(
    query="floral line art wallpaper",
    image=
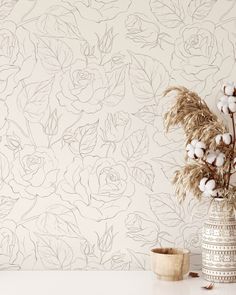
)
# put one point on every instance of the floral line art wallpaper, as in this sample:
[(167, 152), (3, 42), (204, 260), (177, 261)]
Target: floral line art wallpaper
[(85, 163)]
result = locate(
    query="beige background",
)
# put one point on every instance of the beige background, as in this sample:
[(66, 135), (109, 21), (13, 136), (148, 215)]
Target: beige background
[(85, 163)]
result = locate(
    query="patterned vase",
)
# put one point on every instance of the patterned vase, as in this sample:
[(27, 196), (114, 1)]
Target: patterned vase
[(219, 243)]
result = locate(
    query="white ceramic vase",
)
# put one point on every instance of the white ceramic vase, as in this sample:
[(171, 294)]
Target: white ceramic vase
[(219, 243)]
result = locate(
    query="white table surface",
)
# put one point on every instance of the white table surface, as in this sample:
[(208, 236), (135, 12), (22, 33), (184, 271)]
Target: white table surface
[(101, 283)]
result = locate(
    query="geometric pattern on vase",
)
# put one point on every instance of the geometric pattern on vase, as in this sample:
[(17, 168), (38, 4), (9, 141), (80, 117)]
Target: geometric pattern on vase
[(219, 243)]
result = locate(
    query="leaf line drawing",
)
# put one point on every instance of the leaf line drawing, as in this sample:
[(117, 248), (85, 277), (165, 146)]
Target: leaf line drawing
[(115, 91), (199, 9), (6, 205), (6, 7), (143, 173), (4, 169), (55, 55), (59, 221), (59, 22), (168, 12), (85, 139), (33, 100), (54, 253), (139, 258), (166, 210), (135, 146), (148, 77), (169, 162), (148, 113)]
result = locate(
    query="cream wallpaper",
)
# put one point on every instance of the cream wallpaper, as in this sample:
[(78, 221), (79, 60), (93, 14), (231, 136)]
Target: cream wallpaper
[(85, 164)]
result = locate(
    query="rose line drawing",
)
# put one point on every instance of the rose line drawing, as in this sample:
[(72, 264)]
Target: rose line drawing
[(99, 188), (17, 57), (198, 56), (34, 172), (83, 87)]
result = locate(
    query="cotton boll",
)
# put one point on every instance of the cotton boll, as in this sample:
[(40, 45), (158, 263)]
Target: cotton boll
[(229, 88), (211, 156), (226, 110), (232, 103), (190, 151), (227, 83), (191, 154), (199, 153), (227, 138), (227, 104), (211, 184), (189, 147), (222, 105), (232, 108), (218, 138), (220, 160), (202, 184), (207, 187), (194, 142), (215, 158), (200, 144), (196, 149)]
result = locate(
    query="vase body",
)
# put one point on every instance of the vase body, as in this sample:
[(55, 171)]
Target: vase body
[(219, 243)]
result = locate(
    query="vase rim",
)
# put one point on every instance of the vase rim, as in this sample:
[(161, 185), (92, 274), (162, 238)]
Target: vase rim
[(220, 199)]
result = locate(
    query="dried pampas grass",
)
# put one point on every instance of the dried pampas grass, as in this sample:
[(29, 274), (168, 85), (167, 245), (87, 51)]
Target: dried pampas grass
[(198, 122), (188, 178), (193, 114)]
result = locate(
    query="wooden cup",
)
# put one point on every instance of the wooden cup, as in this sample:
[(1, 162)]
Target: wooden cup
[(170, 264)]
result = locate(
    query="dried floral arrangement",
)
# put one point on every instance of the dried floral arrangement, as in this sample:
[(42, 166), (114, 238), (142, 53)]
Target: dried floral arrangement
[(210, 146)]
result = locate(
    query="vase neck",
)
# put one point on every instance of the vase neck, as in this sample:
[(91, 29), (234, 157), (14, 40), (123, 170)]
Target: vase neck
[(221, 209)]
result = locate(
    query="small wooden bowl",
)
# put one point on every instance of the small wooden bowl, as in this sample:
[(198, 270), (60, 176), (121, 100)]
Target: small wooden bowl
[(170, 264)]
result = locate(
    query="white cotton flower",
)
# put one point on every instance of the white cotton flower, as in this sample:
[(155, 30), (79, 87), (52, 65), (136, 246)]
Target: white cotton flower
[(225, 138), (229, 88), (219, 138), (196, 149), (215, 158), (227, 104), (207, 186)]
